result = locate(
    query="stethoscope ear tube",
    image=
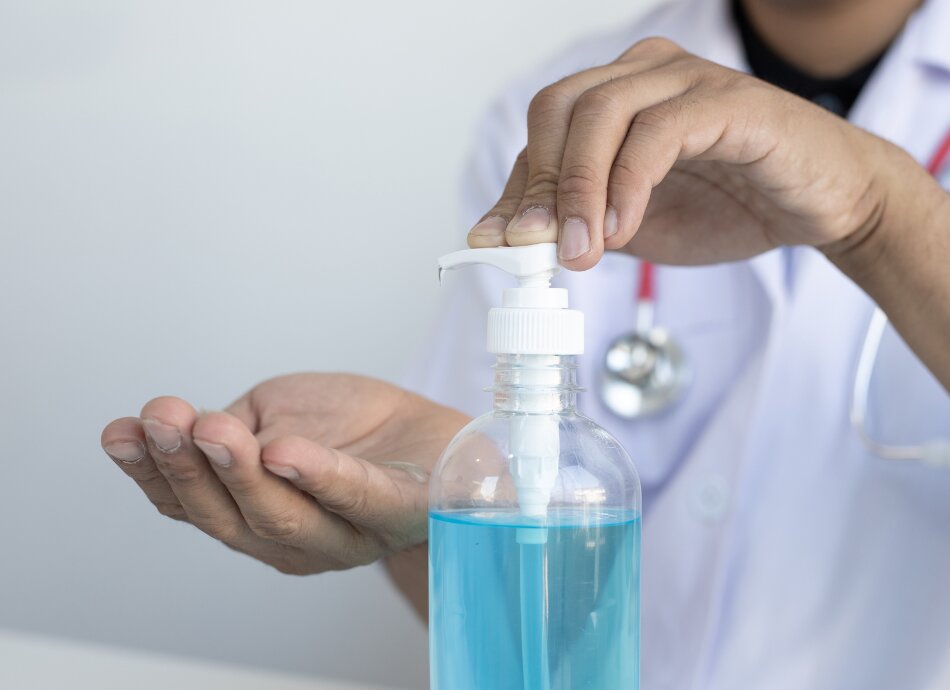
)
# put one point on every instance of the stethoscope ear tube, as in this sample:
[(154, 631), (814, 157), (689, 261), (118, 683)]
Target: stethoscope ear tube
[(936, 452)]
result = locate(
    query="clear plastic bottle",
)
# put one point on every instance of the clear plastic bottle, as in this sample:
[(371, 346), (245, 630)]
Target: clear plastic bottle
[(534, 529)]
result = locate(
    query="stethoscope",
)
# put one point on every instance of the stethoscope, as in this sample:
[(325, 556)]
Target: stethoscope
[(645, 371)]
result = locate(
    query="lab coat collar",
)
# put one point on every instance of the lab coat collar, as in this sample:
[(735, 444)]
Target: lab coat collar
[(933, 50), (709, 31), (713, 35), (707, 27)]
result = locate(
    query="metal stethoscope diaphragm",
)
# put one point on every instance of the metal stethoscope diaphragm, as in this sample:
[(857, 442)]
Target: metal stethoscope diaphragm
[(644, 370)]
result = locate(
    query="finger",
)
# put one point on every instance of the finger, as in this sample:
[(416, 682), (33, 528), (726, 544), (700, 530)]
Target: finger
[(549, 121), (490, 230), (272, 507), (602, 118), (243, 408), (389, 502), (685, 128), (124, 441), (168, 423), (657, 49)]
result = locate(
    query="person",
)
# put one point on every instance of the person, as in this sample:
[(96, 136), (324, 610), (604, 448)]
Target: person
[(781, 207)]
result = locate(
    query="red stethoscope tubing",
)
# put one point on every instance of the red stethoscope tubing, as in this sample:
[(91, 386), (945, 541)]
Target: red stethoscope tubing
[(646, 289), (939, 159)]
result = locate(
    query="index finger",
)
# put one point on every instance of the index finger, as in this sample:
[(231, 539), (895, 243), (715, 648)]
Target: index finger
[(550, 117), (603, 116), (390, 503), (123, 440), (273, 508)]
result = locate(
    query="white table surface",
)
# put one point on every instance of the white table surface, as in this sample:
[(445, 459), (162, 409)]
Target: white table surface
[(29, 662)]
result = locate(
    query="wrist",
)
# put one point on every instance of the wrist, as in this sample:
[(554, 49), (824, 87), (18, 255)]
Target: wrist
[(903, 200), (409, 571)]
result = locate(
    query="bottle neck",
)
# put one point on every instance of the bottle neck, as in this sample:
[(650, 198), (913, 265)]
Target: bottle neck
[(535, 383)]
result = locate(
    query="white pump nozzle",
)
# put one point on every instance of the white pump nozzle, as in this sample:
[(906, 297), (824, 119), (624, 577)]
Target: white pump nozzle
[(534, 318), (533, 265)]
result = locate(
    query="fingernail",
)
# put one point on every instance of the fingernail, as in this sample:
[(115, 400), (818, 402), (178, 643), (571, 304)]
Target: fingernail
[(611, 224), (165, 437), (129, 452), (283, 471), (535, 219), (490, 229), (215, 452), (575, 239)]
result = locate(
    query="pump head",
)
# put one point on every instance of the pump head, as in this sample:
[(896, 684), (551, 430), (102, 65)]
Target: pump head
[(534, 318)]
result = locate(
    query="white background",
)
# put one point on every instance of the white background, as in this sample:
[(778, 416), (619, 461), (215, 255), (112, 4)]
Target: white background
[(195, 196)]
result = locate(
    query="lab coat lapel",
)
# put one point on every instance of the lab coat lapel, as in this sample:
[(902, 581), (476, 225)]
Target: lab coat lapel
[(932, 55), (933, 46)]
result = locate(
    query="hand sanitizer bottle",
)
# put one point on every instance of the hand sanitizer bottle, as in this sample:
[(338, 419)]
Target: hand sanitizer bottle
[(534, 513)]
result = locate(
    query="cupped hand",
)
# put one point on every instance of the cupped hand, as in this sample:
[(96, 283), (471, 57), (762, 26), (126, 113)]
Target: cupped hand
[(680, 160), (308, 472)]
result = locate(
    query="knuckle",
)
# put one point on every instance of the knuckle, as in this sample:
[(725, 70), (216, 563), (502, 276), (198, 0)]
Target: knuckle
[(511, 196), (741, 88), (596, 102), (625, 172), (222, 530), (654, 45), (171, 510), (183, 474), (543, 180), (555, 97), (241, 484), (347, 491), (278, 526), (289, 566), (578, 181), (353, 503), (147, 475), (506, 205), (656, 118), (695, 71)]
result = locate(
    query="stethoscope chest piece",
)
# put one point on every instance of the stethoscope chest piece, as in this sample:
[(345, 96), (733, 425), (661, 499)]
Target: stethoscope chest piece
[(644, 371)]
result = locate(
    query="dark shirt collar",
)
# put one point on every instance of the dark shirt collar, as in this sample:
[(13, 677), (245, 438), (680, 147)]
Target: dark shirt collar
[(836, 95)]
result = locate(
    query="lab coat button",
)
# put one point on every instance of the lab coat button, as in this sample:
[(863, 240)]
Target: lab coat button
[(711, 499)]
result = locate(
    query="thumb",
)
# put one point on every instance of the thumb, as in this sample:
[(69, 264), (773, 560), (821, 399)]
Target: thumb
[(388, 500)]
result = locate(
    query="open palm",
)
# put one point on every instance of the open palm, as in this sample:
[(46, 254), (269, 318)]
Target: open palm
[(307, 472)]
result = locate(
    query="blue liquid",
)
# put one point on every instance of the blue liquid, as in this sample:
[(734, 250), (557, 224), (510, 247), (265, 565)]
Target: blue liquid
[(517, 606)]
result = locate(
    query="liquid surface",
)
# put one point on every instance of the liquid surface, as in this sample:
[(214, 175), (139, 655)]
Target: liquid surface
[(516, 606)]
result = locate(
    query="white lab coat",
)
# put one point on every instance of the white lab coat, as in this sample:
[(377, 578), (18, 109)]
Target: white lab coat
[(778, 554)]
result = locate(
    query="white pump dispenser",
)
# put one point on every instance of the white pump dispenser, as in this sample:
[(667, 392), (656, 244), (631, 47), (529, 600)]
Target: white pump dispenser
[(534, 323), (534, 525), (534, 318)]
